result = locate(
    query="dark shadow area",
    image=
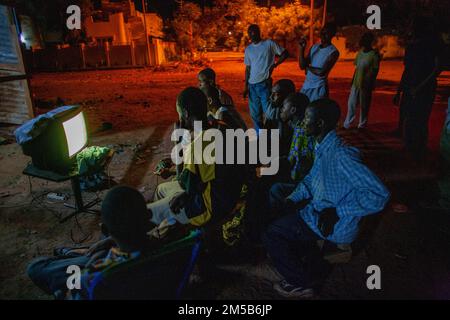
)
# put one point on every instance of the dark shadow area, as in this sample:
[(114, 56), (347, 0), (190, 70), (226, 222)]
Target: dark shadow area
[(142, 158)]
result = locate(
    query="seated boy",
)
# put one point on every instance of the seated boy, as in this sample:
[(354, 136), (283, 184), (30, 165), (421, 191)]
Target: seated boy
[(222, 112), (204, 190), (207, 77), (293, 167), (301, 153), (124, 217), (280, 90)]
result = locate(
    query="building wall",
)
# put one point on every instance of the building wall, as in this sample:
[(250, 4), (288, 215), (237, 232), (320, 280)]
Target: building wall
[(125, 6), (121, 55), (30, 37), (95, 57), (388, 46), (115, 28), (81, 57), (120, 31), (69, 58), (159, 51)]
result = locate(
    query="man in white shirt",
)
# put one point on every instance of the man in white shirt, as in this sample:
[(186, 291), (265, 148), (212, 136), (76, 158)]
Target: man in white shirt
[(260, 62), (318, 63)]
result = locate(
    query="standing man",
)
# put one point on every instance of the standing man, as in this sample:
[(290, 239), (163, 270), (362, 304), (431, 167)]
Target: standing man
[(321, 58), (418, 85), (260, 62), (367, 64)]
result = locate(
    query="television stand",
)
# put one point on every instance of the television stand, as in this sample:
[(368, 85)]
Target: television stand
[(79, 206)]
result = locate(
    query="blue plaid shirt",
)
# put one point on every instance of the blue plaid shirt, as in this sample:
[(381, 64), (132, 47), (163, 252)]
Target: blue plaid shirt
[(340, 180)]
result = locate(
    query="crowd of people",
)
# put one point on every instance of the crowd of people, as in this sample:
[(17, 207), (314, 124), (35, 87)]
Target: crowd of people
[(321, 191)]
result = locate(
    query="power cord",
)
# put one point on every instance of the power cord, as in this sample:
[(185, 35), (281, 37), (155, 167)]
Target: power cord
[(85, 236), (38, 201)]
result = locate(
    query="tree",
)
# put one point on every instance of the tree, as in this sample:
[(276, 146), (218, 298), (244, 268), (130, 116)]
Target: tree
[(226, 23), (284, 24), (187, 26)]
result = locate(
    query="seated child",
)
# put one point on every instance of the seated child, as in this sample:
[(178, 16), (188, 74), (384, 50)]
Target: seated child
[(293, 167), (124, 217), (222, 112), (301, 154), (203, 191)]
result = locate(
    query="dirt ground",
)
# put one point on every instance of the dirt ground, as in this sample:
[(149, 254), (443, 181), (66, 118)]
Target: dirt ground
[(410, 248)]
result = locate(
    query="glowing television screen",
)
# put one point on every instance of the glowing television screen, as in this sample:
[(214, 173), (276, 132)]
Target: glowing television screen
[(57, 144), (76, 135)]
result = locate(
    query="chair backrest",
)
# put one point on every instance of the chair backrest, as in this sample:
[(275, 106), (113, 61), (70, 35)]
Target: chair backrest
[(161, 274)]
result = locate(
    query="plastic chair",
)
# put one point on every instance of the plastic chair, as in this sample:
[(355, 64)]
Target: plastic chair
[(162, 274)]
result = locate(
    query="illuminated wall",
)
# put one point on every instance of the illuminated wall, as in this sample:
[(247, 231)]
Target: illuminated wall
[(114, 28), (29, 35)]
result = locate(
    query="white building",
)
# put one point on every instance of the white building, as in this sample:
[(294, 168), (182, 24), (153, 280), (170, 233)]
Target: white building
[(123, 25)]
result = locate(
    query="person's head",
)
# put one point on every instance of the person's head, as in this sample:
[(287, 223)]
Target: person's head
[(206, 77), (212, 97), (321, 116), (367, 40), (294, 106), (280, 90), (125, 218), (191, 106), (254, 33), (327, 33)]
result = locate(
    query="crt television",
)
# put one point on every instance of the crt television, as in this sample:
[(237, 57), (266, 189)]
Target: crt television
[(57, 142)]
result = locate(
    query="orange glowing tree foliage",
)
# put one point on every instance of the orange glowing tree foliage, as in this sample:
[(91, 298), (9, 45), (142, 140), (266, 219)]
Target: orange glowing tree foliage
[(225, 24)]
